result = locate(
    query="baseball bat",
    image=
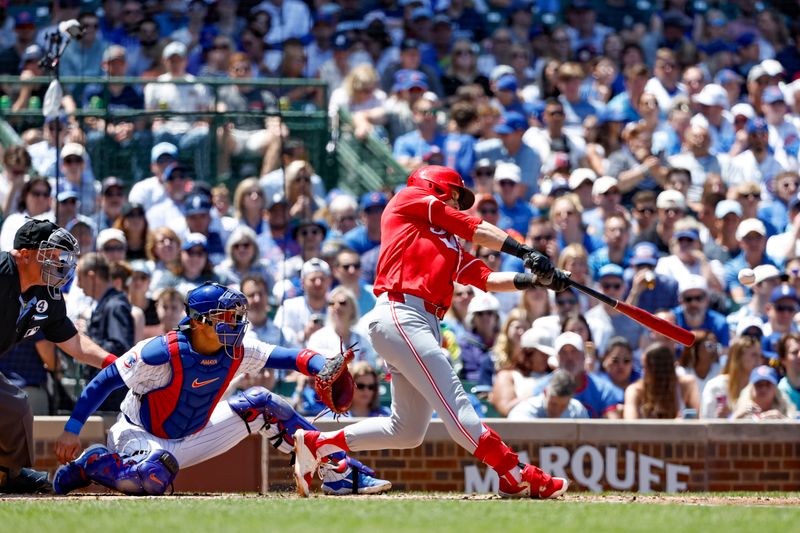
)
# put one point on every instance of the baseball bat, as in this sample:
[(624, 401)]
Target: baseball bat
[(648, 320)]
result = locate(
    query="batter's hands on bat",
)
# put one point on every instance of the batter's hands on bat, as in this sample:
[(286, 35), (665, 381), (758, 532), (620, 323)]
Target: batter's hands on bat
[(546, 274), (68, 446)]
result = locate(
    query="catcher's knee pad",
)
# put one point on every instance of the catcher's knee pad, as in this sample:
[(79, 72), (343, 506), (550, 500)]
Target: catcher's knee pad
[(152, 475)]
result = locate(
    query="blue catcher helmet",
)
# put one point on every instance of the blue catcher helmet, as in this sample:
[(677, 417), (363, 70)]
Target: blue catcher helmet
[(223, 309)]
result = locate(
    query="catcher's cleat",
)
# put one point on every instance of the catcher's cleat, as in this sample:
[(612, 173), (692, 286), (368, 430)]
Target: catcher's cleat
[(306, 461), (72, 475), (535, 484), (341, 479)]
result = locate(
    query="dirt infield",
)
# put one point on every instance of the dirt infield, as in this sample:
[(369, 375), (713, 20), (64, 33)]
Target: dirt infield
[(772, 499)]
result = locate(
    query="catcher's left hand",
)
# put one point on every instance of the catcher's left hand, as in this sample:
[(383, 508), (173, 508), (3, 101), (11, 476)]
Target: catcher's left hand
[(334, 384)]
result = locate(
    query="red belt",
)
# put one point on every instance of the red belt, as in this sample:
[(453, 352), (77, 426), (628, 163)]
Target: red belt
[(433, 309)]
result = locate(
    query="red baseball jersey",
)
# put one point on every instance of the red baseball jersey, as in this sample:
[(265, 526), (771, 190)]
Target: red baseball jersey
[(420, 254)]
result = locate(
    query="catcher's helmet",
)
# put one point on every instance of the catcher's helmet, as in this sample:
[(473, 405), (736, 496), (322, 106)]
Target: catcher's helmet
[(223, 309), (439, 181)]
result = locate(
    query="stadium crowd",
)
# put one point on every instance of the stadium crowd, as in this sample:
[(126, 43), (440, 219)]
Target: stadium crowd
[(650, 148)]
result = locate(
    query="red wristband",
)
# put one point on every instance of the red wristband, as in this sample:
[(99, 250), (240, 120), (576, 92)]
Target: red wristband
[(302, 360), (109, 360)]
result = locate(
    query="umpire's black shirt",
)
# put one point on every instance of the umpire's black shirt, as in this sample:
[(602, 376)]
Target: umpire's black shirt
[(23, 315)]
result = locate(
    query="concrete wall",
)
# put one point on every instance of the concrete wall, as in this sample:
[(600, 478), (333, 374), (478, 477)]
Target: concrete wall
[(598, 455)]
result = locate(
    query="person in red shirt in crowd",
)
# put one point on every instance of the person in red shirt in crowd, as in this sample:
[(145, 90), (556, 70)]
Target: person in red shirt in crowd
[(420, 259)]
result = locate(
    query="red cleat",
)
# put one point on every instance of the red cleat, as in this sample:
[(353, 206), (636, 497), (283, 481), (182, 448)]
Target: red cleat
[(535, 484)]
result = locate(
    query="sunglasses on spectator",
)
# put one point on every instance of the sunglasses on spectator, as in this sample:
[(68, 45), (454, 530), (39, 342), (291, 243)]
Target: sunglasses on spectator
[(242, 245), (114, 193), (555, 113), (488, 211), (540, 238), (463, 294), (786, 308), (40, 194), (485, 313), (484, 173), (350, 266), (646, 210), (566, 301), (751, 196), (72, 160), (367, 386), (611, 286), (341, 303), (140, 277), (114, 248), (69, 201), (697, 298), (196, 252), (310, 232), (507, 183)]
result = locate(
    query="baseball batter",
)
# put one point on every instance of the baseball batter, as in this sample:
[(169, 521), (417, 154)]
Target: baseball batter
[(420, 258), (172, 417)]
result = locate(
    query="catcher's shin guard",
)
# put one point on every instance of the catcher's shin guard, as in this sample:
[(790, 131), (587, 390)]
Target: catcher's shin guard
[(280, 421), (150, 476)]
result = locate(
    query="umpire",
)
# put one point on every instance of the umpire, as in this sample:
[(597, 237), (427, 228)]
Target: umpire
[(31, 276)]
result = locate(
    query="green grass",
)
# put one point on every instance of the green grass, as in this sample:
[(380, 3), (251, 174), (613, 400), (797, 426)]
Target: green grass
[(275, 514)]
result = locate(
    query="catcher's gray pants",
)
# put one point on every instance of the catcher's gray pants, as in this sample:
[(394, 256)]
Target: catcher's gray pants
[(16, 427), (409, 340)]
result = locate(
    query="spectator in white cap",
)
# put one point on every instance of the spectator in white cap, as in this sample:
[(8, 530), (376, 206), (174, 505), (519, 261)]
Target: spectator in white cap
[(713, 102), (767, 278), (556, 401), (522, 360), (606, 199), (112, 244), (189, 134), (150, 191), (509, 190), (670, 207), (297, 313), (752, 236), (482, 328), (580, 182), (74, 167), (196, 268), (723, 247), (694, 313), (687, 256), (756, 163), (600, 398)]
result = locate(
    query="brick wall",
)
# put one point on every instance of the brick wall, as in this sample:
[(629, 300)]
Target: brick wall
[(597, 455)]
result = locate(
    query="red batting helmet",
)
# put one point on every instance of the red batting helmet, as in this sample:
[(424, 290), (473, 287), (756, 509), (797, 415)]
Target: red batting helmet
[(439, 181)]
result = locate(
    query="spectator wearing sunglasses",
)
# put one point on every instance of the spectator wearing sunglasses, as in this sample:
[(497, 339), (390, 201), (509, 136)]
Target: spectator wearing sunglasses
[(618, 365), (515, 211), (767, 279), (616, 235), (752, 236), (347, 273), (784, 304), (694, 313), (367, 397)]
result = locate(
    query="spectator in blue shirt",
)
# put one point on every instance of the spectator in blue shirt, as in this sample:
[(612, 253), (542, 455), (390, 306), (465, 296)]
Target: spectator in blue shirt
[(510, 147), (693, 313), (616, 235), (367, 236), (509, 191), (636, 77), (752, 237), (410, 148), (648, 290)]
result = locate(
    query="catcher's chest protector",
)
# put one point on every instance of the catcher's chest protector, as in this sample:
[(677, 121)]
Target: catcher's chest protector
[(185, 404)]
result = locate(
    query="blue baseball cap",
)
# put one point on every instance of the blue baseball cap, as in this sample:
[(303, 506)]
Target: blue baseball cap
[(373, 199), (783, 291), (757, 125), (763, 373), (687, 234), (644, 253), (507, 82), (611, 114), (406, 79), (510, 122), (24, 18), (197, 204), (342, 42), (421, 13), (610, 270), (173, 168), (745, 39), (727, 75), (772, 95), (195, 239)]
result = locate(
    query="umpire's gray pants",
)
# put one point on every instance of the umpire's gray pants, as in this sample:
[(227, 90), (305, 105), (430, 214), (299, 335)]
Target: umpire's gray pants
[(409, 340), (16, 427)]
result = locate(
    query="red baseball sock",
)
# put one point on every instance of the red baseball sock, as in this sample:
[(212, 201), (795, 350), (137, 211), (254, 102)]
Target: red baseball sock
[(496, 453), (331, 442)]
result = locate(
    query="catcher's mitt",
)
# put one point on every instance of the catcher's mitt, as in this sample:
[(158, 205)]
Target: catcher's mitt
[(334, 383)]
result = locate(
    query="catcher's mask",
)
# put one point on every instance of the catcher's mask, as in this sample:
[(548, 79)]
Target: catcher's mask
[(58, 256), (223, 309)]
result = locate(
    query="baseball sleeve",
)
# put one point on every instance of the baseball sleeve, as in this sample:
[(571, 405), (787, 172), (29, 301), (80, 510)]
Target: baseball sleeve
[(437, 213)]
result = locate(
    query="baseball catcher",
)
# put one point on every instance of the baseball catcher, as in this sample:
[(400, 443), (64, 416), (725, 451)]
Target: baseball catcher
[(172, 416)]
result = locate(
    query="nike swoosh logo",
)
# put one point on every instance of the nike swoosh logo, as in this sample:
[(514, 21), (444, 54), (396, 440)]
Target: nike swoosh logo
[(38, 317), (197, 384), (154, 478)]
